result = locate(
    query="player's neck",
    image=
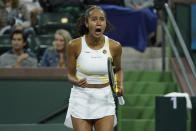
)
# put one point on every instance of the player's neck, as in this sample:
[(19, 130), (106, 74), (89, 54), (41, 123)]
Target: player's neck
[(93, 41)]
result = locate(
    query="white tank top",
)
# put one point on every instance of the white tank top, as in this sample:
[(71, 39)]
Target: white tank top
[(92, 64)]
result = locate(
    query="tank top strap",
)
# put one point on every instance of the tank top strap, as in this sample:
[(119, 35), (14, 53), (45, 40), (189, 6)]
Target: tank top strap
[(84, 45), (107, 46)]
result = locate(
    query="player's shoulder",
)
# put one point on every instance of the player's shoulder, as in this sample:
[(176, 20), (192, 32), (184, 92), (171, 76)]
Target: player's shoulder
[(114, 44), (75, 43)]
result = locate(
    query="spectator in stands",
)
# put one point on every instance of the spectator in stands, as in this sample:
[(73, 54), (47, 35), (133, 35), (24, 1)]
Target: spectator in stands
[(12, 12), (18, 56), (55, 56), (139, 4), (150, 15), (34, 8)]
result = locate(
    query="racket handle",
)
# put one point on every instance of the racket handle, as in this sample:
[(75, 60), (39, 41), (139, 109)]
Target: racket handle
[(121, 100)]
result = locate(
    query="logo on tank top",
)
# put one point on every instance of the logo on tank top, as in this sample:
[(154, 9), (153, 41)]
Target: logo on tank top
[(87, 52), (104, 51)]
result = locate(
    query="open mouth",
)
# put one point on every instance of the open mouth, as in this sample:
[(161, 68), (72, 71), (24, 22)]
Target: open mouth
[(98, 31)]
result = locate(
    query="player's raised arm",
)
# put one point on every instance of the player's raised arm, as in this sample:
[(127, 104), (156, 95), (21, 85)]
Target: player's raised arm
[(116, 52)]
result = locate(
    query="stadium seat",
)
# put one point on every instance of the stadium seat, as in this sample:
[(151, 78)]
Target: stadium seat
[(50, 22), (5, 43), (39, 43)]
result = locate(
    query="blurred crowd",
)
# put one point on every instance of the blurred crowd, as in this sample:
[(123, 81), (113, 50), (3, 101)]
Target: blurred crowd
[(19, 21)]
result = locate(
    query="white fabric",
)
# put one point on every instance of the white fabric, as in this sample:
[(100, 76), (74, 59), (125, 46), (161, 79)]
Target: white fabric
[(177, 94), (90, 103), (141, 3), (30, 4), (92, 64)]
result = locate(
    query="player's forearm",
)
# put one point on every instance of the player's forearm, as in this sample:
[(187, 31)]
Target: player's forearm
[(120, 78), (72, 78)]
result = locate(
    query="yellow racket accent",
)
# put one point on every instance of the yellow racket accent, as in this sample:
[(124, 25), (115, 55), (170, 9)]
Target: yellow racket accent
[(116, 88)]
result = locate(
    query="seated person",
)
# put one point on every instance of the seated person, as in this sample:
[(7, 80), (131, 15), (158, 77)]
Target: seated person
[(139, 4), (18, 56), (34, 8), (12, 12), (55, 56)]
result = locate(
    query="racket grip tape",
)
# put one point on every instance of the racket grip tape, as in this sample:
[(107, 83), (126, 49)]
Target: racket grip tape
[(121, 100)]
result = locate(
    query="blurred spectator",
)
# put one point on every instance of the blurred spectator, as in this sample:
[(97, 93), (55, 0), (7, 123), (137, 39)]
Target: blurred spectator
[(109, 2), (18, 56), (55, 56), (139, 4), (12, 12), (18, 27), (34, 8), (31, 4), (52, 5)]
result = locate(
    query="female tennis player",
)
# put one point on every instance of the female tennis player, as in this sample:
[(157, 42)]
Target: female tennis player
[(91, 103)]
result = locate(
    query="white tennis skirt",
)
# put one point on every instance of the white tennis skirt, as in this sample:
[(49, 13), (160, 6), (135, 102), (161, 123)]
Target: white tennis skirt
[(90, 103)]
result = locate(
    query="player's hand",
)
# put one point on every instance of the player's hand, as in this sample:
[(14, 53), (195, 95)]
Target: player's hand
[(82, 83), (120, 92)]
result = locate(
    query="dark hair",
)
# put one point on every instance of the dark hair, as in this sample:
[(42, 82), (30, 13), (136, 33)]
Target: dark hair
[(24, 36), (80, 25)]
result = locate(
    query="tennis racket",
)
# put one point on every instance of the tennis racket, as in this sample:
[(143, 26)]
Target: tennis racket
[(113, 81)]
